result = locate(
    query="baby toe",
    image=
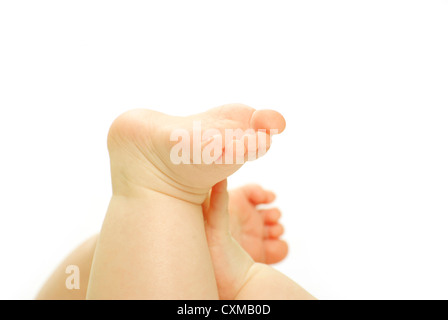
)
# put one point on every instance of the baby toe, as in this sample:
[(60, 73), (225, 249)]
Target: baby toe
[(274, 231), (271, 216), (275, 251)]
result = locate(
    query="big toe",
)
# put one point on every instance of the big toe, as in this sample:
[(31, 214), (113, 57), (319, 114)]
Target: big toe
[(275, 251), (268, 120)]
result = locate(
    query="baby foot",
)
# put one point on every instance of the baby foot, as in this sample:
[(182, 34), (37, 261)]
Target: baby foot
[(257, 231), (141, 145), (231, 263), (238, 277)]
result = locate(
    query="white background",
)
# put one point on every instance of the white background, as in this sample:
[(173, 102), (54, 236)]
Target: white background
[(361, 171)]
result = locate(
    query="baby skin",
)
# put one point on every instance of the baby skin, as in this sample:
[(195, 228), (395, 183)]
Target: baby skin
[(154, 243), (258, 231), (238, 276)]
